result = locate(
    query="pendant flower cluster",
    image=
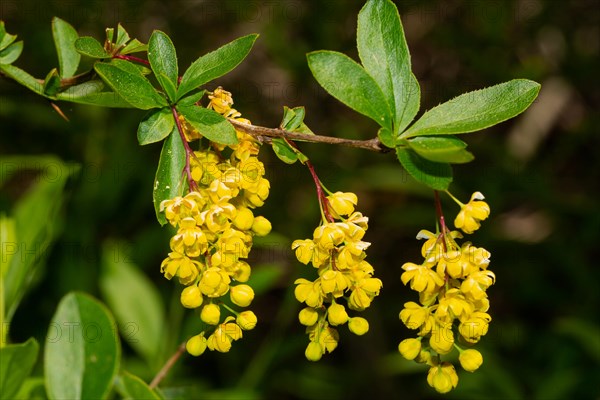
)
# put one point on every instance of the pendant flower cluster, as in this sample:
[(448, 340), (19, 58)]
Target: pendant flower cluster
[(338, 253), (452, 311), (215, 225)]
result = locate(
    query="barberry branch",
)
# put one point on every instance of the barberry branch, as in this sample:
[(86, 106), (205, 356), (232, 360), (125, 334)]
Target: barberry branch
[(188, 152), (167, 367), (257, 131)]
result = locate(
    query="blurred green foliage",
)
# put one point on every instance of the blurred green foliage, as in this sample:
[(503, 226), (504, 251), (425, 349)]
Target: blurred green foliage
[(539, 172)]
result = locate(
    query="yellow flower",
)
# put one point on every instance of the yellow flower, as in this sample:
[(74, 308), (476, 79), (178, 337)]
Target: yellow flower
[(470, 359), (336, 314), (214, 282), (328, 236), (196, 345), (413, 315), (442, 338), (189, 238), (410, 348), (358, 325), (309, 292), (246, 320), (471, 214), (421, 277), (211, 314), (220, 100), (314, 351), (333, 282), (191, 297), (241, 295), (453, 305), (261, 226), (443, 377), (178, 264), (329, 338), (342, 203), (304, 250), (241, 271), (476, 326), (308, 316)]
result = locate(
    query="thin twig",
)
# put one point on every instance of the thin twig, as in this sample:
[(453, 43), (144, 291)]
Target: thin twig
[(167, 367), (256, 131)]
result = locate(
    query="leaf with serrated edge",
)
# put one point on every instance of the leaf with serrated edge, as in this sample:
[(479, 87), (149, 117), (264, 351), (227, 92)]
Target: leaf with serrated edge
[(476, 110), (134, 88), (437, 176), (64, 40), (347, 81), (384, 53), (210, 124), (163, 60), (215, 64), (155, 126), (88, 46), (444, 149), (169, 181)]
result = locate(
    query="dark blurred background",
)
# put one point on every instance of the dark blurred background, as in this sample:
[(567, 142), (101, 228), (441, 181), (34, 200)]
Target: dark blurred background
[(540, 173)]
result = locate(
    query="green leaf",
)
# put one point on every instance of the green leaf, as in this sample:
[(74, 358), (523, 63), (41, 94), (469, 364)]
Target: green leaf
[(91, 93), (130, 67), (384, 54), (191, 99), (155, 126), (215, 64), (476, 110), (134, 46), (110, 34), (134, 88), (348, 82), (5, 38), (52, 83), (122, 36), (42, 201), (163, 60), (23, 78), (130, 386), (16, 363), (169, 181), (134, 300), (292, 118), (437, 176), (283, 151), (82, 349), (64, 40), (386, 137), (10, 54), (88, 46), (210, 124), (442, 149)]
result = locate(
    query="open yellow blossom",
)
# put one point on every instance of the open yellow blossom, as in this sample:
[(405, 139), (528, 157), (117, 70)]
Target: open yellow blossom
[(471, 214)]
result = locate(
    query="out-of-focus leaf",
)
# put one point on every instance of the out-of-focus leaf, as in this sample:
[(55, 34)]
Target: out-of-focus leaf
[(82, 349), (5, 38), (64, 40), (92, 93), (215, 64), (347, 81), (210, 124), (476, 110), (132, 387), (437, 176), (169, 181), (16, 363), (155, 126), (134, 300), (88, 46)]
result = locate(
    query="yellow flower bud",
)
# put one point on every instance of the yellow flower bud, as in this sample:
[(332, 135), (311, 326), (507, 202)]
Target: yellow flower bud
[(442, 338), (191, 297), (308, 316), (442, 377), (424, 357), (314, 351), (358, 325), (261, 226), (336, 314), (219, 341), (196, 345), (246, 320), (214, 282), (410, 348), (210, 314), (470, 359), (241, 295), (242, 271), (243, 219)]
